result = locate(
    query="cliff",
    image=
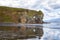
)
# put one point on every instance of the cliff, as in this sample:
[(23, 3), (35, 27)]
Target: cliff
[(20, 15), (9, 14)]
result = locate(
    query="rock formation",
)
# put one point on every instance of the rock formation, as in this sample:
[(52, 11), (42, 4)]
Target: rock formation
[(9, 14)]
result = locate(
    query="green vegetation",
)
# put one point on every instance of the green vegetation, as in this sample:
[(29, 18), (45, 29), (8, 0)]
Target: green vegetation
[(9, 14)]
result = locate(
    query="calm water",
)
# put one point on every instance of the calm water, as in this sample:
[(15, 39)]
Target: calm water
[(51, 32)]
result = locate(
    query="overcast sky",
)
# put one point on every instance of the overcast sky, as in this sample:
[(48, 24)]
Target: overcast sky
[(50, 8)]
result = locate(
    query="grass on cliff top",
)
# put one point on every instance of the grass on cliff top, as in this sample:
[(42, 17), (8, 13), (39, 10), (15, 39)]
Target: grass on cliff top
[(4, 8)]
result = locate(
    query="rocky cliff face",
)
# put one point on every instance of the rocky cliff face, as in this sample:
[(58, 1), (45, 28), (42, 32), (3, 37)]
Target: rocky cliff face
[(19, 15)]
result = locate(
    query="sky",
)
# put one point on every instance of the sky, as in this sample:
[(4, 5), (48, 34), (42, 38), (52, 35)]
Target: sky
[(50, 8)]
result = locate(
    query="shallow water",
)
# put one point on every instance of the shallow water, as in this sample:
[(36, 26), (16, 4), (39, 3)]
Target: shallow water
[(51, 31)]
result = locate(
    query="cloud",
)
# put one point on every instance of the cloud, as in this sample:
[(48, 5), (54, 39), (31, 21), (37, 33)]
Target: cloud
[(50, 8)]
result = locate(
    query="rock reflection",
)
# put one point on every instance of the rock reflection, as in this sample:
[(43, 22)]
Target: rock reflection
[(22, 33), (31, 32)]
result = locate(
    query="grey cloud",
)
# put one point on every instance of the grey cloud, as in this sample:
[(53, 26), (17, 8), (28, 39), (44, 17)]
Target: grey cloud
[(55, 6)]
